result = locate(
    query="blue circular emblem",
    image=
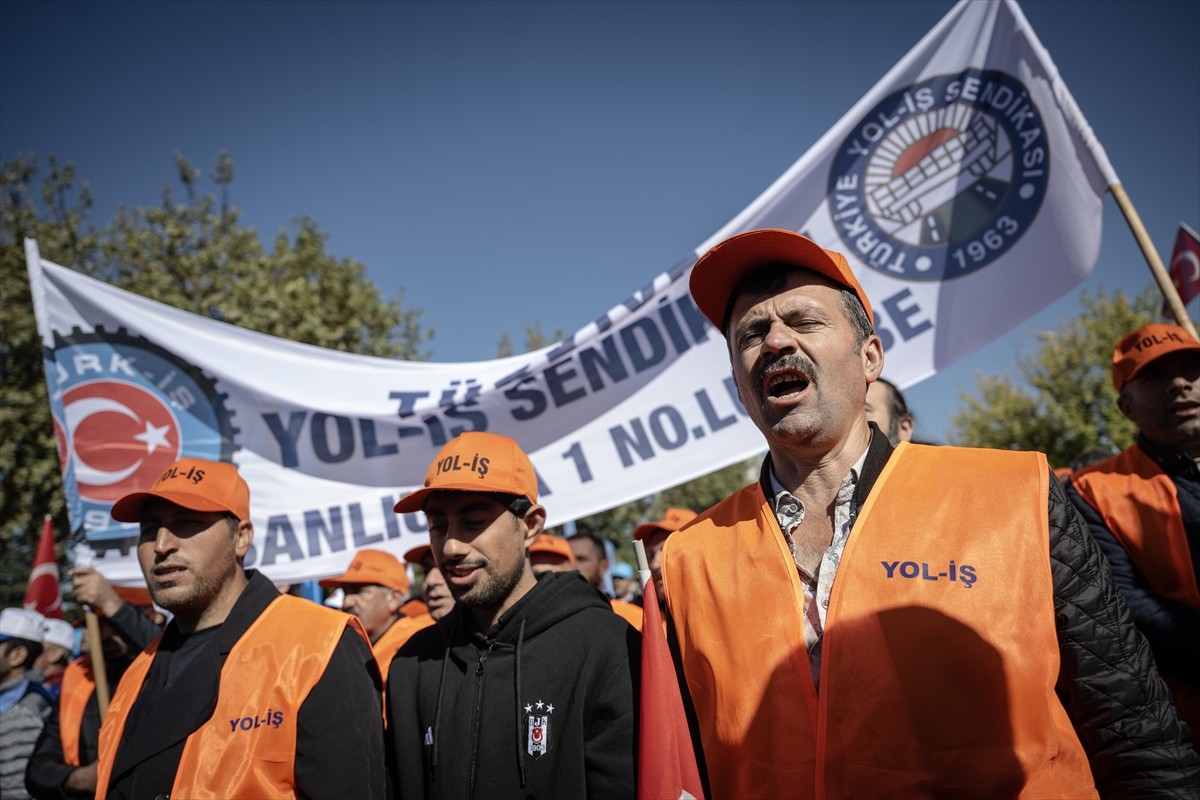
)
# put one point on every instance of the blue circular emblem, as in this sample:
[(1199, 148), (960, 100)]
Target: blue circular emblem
[(124, 410), (941, 178)]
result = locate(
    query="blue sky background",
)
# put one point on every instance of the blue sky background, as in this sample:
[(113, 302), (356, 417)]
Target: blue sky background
[(511, 162)]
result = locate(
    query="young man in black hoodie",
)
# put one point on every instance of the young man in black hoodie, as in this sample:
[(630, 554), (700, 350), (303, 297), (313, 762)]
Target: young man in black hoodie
[(527, 688)]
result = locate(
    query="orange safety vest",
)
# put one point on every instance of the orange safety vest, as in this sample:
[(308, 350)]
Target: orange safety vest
[(78, 685), (628, 612), (939, 656), (1140, 505), (394, 638), (247, 748)]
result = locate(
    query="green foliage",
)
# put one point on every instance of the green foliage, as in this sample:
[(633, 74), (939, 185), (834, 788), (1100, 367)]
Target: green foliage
[(192, 253), (1063, 402), (535, 338), (618, 523)]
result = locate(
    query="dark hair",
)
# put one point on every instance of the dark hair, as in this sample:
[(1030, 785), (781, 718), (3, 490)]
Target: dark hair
[(518, 504), (771, 278), (591, 537), (897, 409), (32, 650)]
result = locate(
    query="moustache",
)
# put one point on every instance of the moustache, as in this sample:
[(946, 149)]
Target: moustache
[(789, 361)]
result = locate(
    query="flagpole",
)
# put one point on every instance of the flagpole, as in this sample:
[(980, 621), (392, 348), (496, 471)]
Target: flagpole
[(99, 669), (1165, 285)]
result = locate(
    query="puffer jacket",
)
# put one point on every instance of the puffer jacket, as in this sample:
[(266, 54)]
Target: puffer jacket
[(1108, 683)]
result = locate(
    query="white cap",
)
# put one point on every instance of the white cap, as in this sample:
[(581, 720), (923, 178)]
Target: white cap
[(21, 623), (59, 632)]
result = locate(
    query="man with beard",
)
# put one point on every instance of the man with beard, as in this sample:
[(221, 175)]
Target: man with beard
[(248, 693), (374, 587), (922, 621), (527, 687), (1143, 505)]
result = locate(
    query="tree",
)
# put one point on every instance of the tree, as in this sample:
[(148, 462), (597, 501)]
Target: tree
[(617, 524), (194, 254), (1063, 403), (534, 339)]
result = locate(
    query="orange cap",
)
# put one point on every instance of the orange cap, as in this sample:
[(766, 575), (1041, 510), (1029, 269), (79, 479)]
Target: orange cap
[(377, 567), (550, 544), (476, 462), (672, 520), (729, 262), (417, 554), (1148, 343), (195, 484)]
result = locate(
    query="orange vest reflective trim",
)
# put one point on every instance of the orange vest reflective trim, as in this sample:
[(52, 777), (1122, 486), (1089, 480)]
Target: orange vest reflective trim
[(1140, 505), (937, 674), (394, 638), (628, 612), (247, 748), (78, 684)]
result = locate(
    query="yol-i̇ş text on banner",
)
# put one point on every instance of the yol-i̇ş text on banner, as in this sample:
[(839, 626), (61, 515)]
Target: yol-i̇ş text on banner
[(965, 188)]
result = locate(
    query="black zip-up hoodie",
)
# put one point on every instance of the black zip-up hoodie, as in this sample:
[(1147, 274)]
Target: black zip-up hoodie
[(542, 705)]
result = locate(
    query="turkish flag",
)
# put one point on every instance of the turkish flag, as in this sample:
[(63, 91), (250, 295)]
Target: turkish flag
[(666, 762), (43, 594), (1185, 265)]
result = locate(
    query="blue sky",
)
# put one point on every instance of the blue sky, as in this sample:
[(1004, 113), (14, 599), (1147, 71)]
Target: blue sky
[(510, 163)]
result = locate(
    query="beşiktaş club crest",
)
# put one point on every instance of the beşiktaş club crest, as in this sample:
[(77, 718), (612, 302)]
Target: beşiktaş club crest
[(127, 409), (941, 178), (537, 742)]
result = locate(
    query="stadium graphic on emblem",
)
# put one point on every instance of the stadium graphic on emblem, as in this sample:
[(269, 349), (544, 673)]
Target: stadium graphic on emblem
[(941, 178), (124, 410)]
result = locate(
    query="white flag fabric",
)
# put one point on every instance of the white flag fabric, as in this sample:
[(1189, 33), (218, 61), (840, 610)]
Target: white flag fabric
[(636, 402), (965, 188)]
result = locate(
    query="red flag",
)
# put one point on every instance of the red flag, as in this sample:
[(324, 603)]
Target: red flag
[(1185, 265), (43, 594), (666, 762)]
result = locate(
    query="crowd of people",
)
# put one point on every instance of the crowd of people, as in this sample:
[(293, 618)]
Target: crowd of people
[(871, 617)]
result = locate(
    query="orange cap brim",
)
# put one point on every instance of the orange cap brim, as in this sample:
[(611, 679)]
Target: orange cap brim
[(718, 272)]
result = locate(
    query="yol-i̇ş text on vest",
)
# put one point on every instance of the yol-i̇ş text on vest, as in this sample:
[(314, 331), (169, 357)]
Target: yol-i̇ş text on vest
[(247, 748), (939, 655)]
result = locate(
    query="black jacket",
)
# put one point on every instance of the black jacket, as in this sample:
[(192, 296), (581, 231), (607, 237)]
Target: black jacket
[(1172, 628), (339, 740), (464, 708)]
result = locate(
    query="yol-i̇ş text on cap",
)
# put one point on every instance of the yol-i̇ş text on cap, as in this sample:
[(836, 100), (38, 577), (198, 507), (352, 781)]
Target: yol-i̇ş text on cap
[(476, 461), (672, 520), (1148, 343), (726, 264), (21, 623), (195, 484), (372, 567)]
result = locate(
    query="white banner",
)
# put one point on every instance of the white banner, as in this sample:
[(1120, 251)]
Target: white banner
[(638, 401), (965, 188)]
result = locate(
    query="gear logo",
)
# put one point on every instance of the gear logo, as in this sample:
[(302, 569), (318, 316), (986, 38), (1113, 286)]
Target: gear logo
[(128, 409), (941, 178)]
